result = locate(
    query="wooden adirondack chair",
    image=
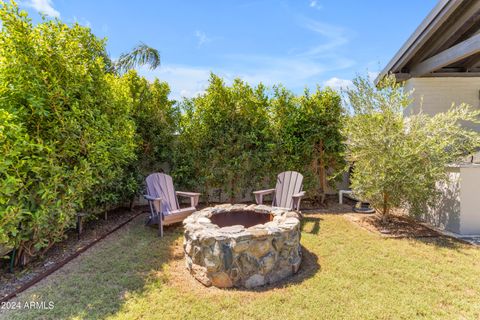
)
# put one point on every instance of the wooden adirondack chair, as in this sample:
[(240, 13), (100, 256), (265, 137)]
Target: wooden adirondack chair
[(287, 193), (163, 201)]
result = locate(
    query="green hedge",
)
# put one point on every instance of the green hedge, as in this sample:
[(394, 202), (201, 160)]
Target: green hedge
[(65, 139), (237, 138), (225, 139)]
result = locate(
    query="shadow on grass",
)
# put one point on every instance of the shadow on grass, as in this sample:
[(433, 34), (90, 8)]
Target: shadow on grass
[(310, 224), (98, 282)]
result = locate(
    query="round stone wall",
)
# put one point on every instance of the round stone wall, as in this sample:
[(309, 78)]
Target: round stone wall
[(236, 256)]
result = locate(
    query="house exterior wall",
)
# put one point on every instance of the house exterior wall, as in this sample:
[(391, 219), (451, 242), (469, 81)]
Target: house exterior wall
[(469, 199), (433, 95), (457, 209)]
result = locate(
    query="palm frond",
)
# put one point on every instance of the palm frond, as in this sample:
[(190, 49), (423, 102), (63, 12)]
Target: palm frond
[(141, 55)]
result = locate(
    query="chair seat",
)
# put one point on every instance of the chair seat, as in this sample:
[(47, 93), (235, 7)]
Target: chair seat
[(178, 215), (172, 217)]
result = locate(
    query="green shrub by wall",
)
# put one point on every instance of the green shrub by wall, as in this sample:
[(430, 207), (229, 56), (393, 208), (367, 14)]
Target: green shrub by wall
[(156, 120)]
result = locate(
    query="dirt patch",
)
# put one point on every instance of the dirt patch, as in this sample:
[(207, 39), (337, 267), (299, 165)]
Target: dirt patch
[(330, 205), (397, 227), (9, 282)]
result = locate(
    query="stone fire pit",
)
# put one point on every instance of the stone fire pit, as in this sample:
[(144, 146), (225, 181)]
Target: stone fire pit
[(242, 246)]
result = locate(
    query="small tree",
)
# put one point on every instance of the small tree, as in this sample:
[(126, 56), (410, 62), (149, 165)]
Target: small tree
[(398, 160)]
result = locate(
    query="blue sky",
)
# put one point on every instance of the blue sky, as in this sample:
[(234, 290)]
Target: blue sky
[(300, 43)]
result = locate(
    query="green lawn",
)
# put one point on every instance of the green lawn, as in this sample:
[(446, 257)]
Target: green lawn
[(349, 273)]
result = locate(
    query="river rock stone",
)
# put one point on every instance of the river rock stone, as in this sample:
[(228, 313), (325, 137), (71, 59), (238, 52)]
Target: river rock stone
[(236, 256), (221, 280), (255, 281)]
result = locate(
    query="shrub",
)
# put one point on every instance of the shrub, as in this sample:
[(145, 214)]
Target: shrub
[(398, 160), (65, 138), (156, 124), (308, 135), (225, 138)]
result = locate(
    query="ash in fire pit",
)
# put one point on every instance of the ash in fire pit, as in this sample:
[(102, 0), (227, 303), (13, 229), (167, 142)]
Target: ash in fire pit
[(243, 218), (242, 246)]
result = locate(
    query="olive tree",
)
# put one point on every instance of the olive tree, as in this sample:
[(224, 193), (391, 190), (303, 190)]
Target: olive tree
[(398, 160)]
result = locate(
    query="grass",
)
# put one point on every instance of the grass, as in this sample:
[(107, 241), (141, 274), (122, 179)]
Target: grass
[(349, 273)]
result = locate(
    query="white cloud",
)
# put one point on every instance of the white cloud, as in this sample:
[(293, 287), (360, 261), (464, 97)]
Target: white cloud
[(184, 81), (295, 70), (202, 38), (294, 73), (338, 84), (43, 6), (314, 4), (335, 36)]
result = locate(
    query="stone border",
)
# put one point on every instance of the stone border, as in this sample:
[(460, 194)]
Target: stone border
[(236, 256)]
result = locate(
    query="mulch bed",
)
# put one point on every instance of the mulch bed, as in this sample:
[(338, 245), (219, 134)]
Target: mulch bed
[(92, 230), (397, 226)]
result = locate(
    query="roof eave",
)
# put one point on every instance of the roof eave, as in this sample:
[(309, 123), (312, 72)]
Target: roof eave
[(433, 20)]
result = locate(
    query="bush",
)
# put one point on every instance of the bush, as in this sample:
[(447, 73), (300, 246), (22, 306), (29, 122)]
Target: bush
[(397, 160), (77, 136), (156, 124), (225, 139), (308, 135), (65, 138), (235, 138)]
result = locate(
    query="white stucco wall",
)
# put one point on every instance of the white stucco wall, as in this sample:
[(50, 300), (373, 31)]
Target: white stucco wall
[(469, 200), (434, 95), (458, 208)]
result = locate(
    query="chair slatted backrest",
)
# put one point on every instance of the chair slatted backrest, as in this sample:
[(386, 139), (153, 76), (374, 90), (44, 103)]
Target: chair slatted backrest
[(160, 185), (288, 184)]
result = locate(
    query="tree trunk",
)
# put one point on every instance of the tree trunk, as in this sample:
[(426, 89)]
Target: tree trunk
[(232, 191), (207, 198), (322, 171), (386, 208), (132, 203)]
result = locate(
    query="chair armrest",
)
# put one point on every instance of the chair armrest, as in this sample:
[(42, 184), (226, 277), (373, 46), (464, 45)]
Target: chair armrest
[(155, 205), (263, 192), (260, 193), (299, 195), (150, 198), (192, 195), (187, 194)]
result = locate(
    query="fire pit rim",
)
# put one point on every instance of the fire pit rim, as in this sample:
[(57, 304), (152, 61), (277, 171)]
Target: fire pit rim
[(282, 219)]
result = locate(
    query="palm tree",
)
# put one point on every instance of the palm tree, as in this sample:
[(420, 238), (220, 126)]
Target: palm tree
[(139, 56)]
